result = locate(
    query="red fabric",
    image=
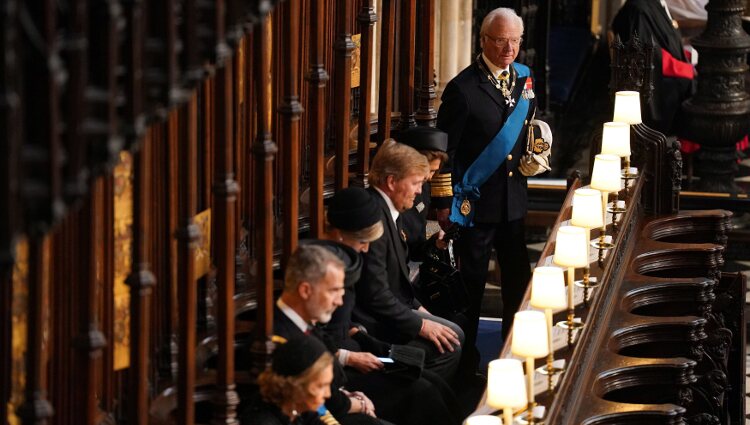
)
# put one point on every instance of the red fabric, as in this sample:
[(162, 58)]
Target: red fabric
[(686, 146), (743, 144), (673, 67)]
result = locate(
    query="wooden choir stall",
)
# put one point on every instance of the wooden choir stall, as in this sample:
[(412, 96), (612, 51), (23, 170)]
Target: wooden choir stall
[(663, 340)]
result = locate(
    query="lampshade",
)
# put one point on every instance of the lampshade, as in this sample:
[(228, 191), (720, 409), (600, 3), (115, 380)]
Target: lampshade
[(529, 334), (606, 174), (483, 420), (627, 107), (548, 288), (587, 208), (506, 387), (570, 247), (616, 138)]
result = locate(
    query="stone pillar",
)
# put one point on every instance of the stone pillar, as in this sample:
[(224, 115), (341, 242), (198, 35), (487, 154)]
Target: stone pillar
[(718, 116), (454, 34)]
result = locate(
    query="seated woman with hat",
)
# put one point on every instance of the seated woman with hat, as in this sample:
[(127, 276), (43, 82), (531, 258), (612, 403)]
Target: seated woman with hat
[(294, 387)]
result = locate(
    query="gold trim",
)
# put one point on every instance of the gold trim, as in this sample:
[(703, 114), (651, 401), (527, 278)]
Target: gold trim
[(357, 40), (441, 192), (123, 248), (713, 194), (19, 325), (203, 248)]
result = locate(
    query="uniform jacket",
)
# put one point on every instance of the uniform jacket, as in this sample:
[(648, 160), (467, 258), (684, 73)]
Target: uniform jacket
[(385, 298), (472, 113)]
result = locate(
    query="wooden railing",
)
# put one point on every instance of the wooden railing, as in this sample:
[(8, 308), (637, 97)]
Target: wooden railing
[(153, 162)]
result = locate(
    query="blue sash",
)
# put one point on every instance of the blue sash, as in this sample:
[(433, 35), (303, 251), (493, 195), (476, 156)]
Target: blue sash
[(491, 158)]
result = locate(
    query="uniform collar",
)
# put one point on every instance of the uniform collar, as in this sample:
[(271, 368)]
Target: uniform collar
[(494, 69)]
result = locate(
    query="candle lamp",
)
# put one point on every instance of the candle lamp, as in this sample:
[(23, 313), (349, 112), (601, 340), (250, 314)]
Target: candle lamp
[(570, 252), (548, 293), (616, 141), (605, 178), (506, 389), (529, 342), (628, 111), (483, 420), (587, 213)]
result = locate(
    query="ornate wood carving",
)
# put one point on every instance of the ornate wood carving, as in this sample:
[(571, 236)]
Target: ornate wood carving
[(42, 154), (387, 62), (407, 34), (103, 129), (74, 50), (88, 340), (36, 409), (426, 113), (225, 195), (367, 19), (718, 115), (660, 349), (10, 132), (342, 92), (187, 234), (264, 150), (632, 67), (317, 78), (141, 282), (133, 59), (291, 111)]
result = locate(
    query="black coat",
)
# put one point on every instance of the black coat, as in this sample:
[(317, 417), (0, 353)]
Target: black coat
[(385, 298), (650, 21), (260, 412), (472, 113)]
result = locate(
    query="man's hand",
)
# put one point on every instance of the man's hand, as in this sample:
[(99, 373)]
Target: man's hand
[(364, 362), (443, 218), (442, 336)]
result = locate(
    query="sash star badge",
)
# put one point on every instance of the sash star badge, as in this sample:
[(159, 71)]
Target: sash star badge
[(465, 207)]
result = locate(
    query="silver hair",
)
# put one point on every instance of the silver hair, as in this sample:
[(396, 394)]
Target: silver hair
[(309, 263), (503, 12)]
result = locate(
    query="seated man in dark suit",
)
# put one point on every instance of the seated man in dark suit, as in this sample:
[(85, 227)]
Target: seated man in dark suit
[(313, 289), (386, 305), (412, 400)]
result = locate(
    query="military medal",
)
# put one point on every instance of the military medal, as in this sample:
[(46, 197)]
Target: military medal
[(420, 207), (528, 89), (502, 83), (465, 207)]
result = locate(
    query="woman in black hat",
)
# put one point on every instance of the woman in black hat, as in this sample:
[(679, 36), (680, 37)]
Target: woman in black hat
[(354, 221), (294, 387)]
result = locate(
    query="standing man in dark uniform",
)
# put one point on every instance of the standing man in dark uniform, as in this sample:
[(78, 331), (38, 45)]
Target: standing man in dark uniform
[(485, 110)]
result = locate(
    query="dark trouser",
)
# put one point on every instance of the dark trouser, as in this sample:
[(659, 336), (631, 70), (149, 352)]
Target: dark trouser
[(474, 247), (427, 400), (446, 364)]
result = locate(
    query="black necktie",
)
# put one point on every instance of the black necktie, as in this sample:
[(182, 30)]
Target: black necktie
[(504, 75)]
